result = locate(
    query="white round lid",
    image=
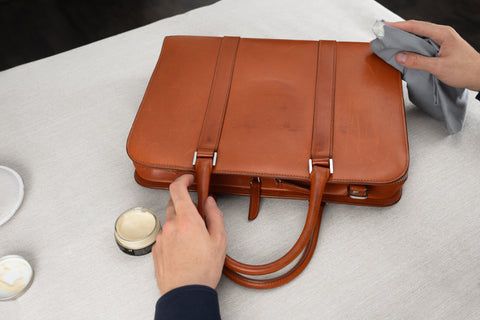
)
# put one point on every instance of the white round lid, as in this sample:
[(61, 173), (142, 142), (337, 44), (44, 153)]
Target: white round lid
[(11, 189)]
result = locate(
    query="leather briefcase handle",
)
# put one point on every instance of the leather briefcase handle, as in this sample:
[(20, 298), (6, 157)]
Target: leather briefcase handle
[(284, 278), (305, 243)]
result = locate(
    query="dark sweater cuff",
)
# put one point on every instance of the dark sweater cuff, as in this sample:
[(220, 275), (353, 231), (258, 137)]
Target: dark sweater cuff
[(188, 302), (478, 96)]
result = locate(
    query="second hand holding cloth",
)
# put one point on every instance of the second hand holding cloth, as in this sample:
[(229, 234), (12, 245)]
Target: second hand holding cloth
[(439, 100)]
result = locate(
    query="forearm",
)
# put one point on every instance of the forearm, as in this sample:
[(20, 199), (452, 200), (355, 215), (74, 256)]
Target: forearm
[(475, 81)]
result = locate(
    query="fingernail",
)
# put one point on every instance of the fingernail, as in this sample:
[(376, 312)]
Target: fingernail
[(210, 200), (401, 57)]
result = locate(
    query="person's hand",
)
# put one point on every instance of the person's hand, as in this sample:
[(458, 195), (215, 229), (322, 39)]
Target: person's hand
[(187, 251), (457, 64)]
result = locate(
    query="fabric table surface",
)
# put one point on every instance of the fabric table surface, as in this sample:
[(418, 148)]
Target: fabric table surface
[(64, 122)]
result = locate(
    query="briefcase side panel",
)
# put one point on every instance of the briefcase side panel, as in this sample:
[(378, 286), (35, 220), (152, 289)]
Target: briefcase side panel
[(376, 195), (370, 142)]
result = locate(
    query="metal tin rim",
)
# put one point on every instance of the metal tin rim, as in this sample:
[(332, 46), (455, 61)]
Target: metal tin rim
[(18, 294), (141, 243)]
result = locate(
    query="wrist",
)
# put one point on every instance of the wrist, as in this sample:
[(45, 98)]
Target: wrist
[(475, 83)]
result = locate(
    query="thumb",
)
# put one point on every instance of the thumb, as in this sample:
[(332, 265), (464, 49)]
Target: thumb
[(214, 220), (416, 61)]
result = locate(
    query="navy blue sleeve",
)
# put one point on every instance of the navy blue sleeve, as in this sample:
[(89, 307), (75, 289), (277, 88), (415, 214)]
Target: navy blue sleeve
[(188, 302)]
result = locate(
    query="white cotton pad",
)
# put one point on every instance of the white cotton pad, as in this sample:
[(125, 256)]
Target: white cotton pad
[(11, 193), (378, 29)]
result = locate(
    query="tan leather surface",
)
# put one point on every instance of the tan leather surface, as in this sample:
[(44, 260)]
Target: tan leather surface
[(271, 105), (166, 130), (370, 140)]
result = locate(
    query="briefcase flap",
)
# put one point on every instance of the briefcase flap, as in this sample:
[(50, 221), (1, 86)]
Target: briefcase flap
[(269, 110)]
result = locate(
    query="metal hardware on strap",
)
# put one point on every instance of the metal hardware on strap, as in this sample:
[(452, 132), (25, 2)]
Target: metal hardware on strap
[(330, 165), (354, 192), (252, 180), (214, 160)]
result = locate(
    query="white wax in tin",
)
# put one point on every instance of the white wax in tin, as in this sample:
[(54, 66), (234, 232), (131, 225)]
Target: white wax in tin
[(14, 276), (135, 224)]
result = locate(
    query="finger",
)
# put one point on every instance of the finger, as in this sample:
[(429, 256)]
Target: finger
[(214, 220), (434, 31), (156, 260), (155, 247), (182, 201), (170, 216), (417, 61)]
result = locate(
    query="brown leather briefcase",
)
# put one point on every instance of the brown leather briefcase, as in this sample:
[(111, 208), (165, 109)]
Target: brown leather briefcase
[(317, 120)]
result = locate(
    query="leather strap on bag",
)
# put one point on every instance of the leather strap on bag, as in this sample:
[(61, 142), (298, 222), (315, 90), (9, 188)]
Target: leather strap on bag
[(321, 152), (255, 191), (322, 139), (212, 123)]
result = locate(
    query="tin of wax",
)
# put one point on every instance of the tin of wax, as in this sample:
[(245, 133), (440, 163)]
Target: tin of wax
[(16, 276), (136, 230)]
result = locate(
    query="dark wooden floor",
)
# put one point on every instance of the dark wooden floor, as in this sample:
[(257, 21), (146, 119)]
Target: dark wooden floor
[(33, 29)]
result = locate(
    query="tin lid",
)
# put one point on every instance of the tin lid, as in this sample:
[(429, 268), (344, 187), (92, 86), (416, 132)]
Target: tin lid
[(136, 228), (11, 189), (16, 276)]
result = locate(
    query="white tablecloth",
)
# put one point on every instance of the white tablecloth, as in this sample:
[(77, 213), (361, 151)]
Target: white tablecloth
[(64, 121)]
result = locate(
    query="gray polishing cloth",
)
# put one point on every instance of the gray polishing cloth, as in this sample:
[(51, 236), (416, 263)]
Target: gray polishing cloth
[(439, 100)]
